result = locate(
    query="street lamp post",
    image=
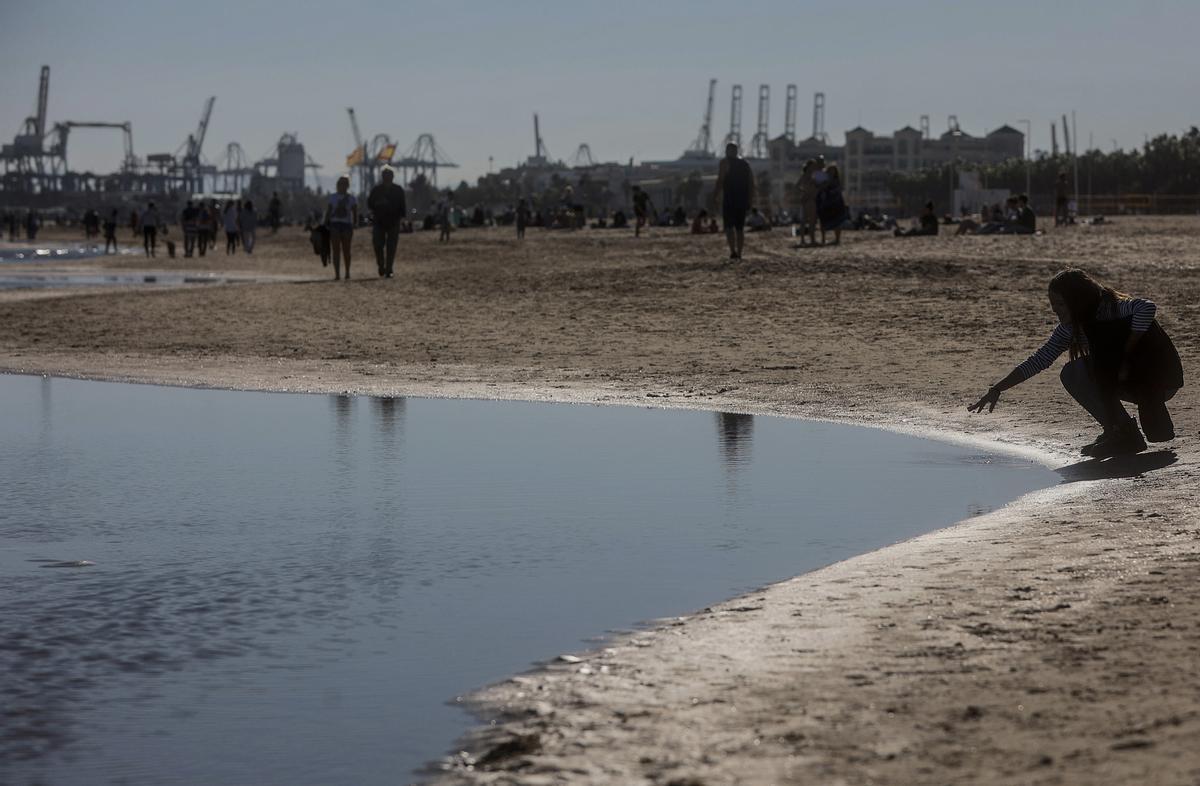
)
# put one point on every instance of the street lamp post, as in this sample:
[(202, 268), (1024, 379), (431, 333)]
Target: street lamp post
[(1028, 155)]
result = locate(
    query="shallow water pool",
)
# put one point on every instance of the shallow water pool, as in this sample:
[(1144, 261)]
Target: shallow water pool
[(202, 586)]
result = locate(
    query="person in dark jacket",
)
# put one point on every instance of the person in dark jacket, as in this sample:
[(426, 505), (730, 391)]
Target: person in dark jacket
[(1118, 352), (388, 208)]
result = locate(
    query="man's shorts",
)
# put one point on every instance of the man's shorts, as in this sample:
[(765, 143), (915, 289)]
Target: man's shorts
[(734, 216)]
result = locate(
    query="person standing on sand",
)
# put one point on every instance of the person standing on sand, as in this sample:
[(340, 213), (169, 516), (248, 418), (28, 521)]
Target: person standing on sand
[(445, 216), (135, 224), (149, 222), (1118, 352), (214, 215), (522, 218), (735, 185), (187, 220), (341, 216), (831, 206), (110, 232), (1062, 195), (642, 205), (230, 222), (248, 226), (387, 205), (808, 203), (275, 212)]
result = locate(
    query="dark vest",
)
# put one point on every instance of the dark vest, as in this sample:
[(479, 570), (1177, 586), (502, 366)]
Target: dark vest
[(1154, 367)]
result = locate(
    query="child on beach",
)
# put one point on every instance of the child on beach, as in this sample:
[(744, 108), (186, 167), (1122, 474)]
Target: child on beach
[(1118, 352)]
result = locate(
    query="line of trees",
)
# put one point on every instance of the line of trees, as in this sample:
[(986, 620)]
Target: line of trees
[(1168, 164)]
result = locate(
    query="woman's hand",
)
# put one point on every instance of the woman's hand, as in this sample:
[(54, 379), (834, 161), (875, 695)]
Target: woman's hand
[(988, 400)]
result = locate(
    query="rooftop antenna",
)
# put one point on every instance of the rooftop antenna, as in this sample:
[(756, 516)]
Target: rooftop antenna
[(703, 143), (735, 117), (819, 117), (758, 145), (1067, 137), (789, 115), (924, 126), (952, 124)]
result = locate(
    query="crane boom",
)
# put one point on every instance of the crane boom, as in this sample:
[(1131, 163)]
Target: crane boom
[(43, 101), (197, 140), (358, 138)]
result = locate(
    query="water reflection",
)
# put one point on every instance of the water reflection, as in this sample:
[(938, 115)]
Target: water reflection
[(334, 569), (389, 412), (735, 432)]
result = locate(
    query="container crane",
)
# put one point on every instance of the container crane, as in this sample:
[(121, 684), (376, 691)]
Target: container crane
[(359, 158)]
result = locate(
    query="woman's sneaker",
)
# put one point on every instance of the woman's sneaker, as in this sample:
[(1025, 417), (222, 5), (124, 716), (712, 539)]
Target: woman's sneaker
[(1123, 441)]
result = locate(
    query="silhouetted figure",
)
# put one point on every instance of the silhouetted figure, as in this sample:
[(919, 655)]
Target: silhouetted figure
[(642, 205), (1118, 352), (387, 205), (341, 216), (831, 206), (91, 224), (230, 222), (928, 225), (187, 220), (248, 226), (150, 223), (214, 213), (807, 188), (445, 218), (32, 224), (275, 212), (735, 185), (522, 218), (1062, 196), (110, 232), (1026, 220)]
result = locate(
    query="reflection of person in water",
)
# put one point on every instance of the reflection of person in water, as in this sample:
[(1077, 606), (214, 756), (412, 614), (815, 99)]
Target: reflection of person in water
[(1118, 353), (735, 432)]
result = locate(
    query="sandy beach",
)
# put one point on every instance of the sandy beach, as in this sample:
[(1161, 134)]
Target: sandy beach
[(1052, 642)]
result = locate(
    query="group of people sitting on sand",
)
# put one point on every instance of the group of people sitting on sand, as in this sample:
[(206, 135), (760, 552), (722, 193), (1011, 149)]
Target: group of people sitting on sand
[(1017, 218)]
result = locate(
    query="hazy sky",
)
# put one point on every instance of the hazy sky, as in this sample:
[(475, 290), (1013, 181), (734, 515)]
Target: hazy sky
[(628, 78)]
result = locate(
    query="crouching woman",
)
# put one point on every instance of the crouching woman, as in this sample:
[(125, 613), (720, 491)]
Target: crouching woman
[(1118, 352)]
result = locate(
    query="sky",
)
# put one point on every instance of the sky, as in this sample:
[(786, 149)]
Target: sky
[(628, 78)]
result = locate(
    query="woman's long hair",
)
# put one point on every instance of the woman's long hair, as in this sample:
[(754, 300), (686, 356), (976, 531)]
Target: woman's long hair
[(1083, 295)]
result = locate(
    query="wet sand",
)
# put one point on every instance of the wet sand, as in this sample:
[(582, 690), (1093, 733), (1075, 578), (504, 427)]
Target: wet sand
[(1054, 641)]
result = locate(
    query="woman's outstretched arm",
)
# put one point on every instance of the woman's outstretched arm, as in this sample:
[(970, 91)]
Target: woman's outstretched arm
[(989, 399)]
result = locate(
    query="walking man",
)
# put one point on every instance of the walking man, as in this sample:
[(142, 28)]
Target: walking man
[(735, 184), (387, 206)]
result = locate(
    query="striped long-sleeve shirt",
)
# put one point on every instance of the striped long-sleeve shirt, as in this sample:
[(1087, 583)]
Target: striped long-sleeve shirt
[(1140, 309)]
